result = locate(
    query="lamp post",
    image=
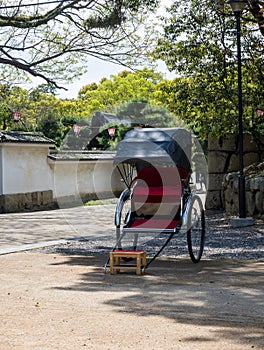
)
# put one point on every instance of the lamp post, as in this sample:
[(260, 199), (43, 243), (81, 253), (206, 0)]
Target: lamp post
[(237, 7)]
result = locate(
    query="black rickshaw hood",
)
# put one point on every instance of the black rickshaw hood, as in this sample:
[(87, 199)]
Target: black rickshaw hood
[(156, 146)]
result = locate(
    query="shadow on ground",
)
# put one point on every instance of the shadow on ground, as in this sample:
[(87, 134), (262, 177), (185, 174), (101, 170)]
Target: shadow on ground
[(225, 293)]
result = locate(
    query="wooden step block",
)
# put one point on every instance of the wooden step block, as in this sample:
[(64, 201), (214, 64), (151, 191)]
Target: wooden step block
[(139, 255)]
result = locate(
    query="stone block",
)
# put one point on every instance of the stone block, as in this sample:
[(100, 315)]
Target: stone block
[(228, 195), (235, 185), (2, 203), (20, 201), (34, 198), (217, 162), (213, 200), (229, 208), (261, 186), (47, 197), (233, 164), (10, 203), (241, 222), (247, 185), (235, 204), (223, 143), (251, 158), (261, 144), (249, 144), (250, 203), (215, 182), (259, 201), (257, 184)]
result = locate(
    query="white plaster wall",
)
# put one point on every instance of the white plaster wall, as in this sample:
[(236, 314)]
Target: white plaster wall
[(65, 178), (73, 178), (25, 168), (1, 172)]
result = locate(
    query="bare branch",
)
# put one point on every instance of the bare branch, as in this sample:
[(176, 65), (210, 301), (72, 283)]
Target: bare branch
[(47, 42), (256, 7)]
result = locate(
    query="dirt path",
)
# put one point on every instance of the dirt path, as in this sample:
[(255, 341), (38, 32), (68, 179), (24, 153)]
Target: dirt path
[(53, 302)]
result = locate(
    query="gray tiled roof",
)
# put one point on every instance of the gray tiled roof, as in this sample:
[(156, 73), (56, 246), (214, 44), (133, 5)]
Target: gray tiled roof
[(24, 137), (81, 155)]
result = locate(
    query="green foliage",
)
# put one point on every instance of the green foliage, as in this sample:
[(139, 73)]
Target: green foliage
[(199, 44), (126, 86), (145, 114), (106, 142), (51, 126), (13, 99), (98, 202), (76, 140), (134, 114)]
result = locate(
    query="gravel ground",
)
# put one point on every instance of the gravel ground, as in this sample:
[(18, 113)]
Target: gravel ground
[(222, 241)]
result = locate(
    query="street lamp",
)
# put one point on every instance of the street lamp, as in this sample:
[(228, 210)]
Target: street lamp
[(237, 7)]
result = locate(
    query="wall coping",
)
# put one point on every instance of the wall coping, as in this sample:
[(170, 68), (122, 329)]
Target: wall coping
[(14, 137), (80, 156)]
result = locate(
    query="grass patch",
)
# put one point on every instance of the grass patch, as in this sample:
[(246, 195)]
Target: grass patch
[(99, 202)]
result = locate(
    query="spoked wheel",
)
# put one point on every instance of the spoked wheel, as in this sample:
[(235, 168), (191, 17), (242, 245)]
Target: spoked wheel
[(196, 229), (122, 214)]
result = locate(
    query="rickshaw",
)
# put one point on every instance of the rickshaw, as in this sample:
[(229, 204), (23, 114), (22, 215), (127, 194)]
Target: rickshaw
[(155, 166)]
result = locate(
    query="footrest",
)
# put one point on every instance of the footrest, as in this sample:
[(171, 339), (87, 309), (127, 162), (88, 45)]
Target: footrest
[(116, 255)]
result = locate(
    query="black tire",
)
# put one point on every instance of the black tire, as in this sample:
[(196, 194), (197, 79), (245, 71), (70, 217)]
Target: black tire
[(196, 229)]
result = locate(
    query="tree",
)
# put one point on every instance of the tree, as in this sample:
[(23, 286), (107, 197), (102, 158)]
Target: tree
[(51, 39), (51, 126), (14, 101), (76, 134), (134, 114), (256, 8), (145, 114), (199, 44), (31, 106), (125, 86)]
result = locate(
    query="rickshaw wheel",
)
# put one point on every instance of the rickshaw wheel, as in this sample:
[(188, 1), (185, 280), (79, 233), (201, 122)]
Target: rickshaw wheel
[(123, 211), (196, 229)]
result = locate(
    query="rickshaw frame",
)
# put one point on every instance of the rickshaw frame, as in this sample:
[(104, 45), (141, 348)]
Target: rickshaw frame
[(170, 152)]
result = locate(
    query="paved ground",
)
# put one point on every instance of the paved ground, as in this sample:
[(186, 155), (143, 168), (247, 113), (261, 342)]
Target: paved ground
[(56, 298), (24, 230), (53, 301)]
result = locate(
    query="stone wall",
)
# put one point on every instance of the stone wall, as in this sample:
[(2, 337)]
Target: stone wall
[(31, 201), (254, 195), (223, 158)]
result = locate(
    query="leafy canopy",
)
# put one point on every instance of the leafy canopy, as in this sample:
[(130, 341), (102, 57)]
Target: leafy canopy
[(199, 44), (52, 39)]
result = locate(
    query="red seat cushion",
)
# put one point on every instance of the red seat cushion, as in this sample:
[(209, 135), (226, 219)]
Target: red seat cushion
[(162, 176), (156, 185), (168, 194), (157, 192)]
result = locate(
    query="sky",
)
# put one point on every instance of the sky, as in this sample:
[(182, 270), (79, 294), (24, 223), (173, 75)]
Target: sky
[(98, 69)]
